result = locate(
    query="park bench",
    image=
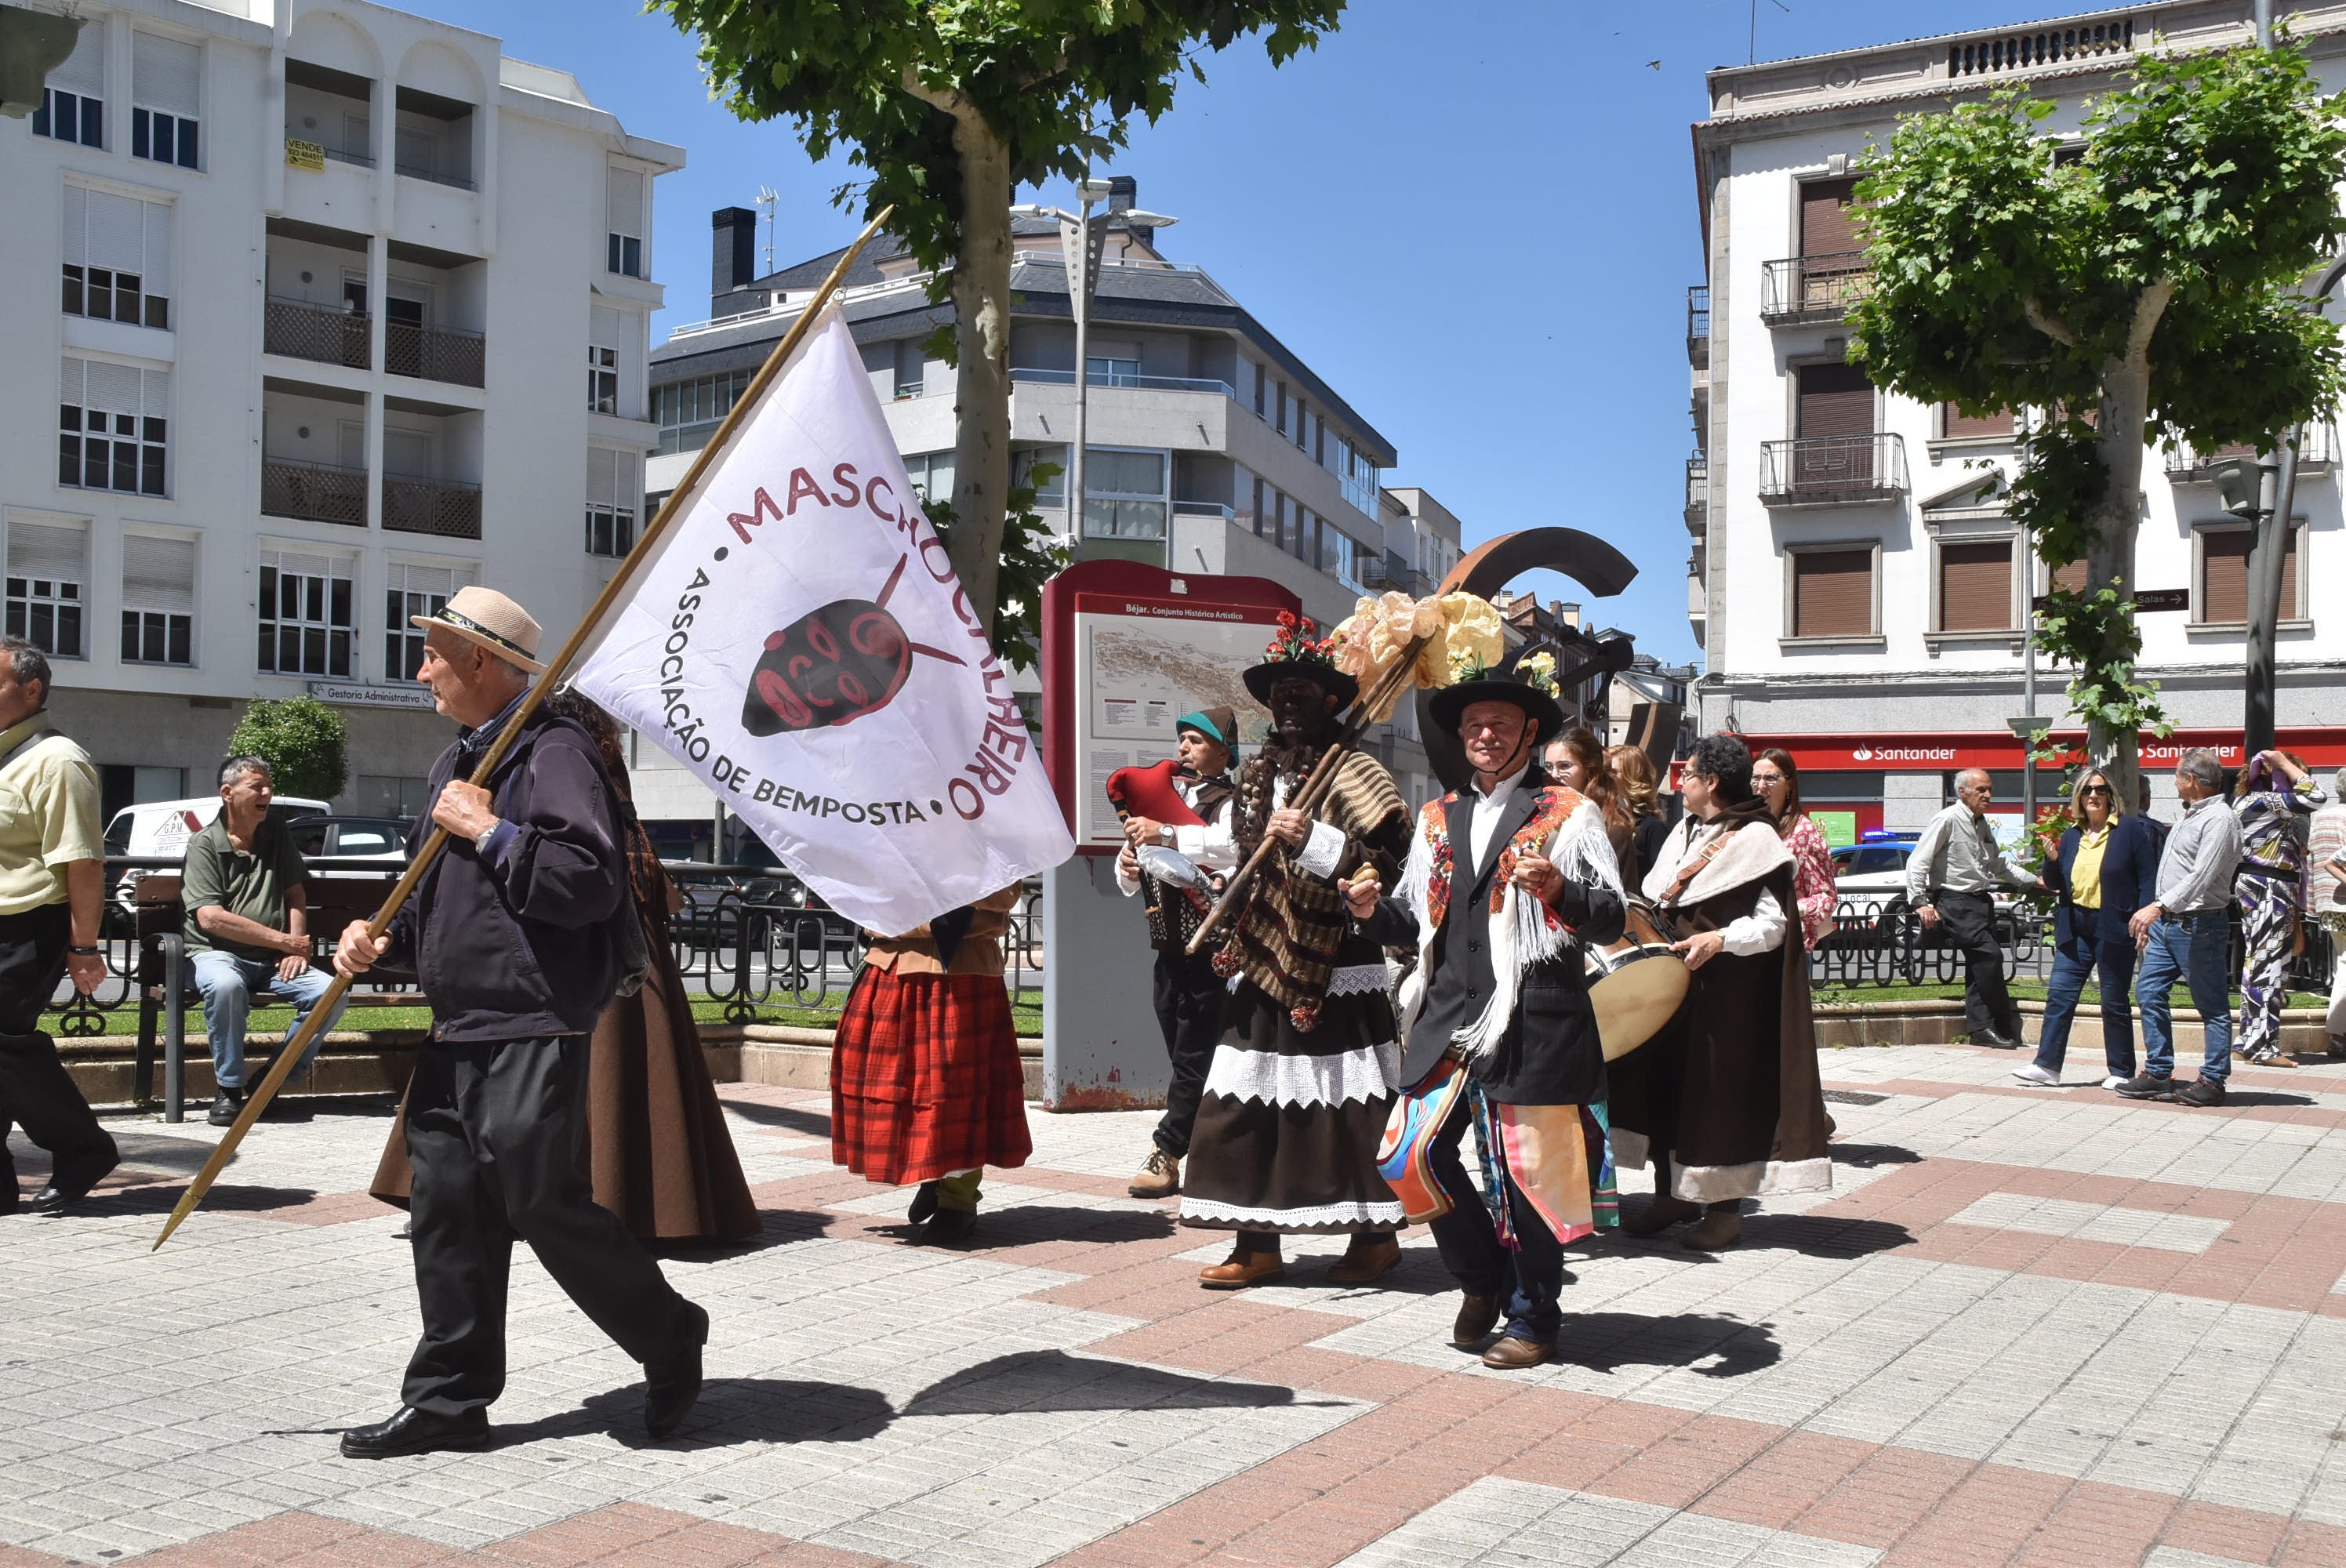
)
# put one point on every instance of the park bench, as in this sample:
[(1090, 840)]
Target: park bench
[(165, 983)]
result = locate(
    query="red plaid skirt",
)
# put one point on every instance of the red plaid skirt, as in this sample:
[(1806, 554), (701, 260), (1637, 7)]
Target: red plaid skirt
[(925, 1078)]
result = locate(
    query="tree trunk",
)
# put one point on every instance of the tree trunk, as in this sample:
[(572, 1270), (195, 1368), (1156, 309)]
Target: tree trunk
[(981, 295)]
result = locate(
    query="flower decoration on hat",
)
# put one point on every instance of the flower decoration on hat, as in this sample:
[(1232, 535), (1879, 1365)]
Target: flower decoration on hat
[(1381, 630), (1538, 670), (1294, 642)]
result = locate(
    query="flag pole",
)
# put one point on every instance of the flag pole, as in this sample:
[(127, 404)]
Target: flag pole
[(292, 1050)]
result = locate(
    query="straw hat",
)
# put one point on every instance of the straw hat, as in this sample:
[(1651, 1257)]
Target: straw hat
[(487, 617)]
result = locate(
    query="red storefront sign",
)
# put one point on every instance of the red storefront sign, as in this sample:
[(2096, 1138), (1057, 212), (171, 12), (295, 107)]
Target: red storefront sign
[(1943, 753)]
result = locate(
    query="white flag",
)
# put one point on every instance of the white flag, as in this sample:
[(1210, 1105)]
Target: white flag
[(799, 640)]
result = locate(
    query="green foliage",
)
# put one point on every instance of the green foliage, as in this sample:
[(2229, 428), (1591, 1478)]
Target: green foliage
[(304, 741), (2005, 280), (1031, 556), (1057, 80)]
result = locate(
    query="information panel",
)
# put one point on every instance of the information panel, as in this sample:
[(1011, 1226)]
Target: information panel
[(1143, 660)]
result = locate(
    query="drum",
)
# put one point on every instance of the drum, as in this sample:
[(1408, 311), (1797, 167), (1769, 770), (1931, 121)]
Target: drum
[(1637, 984)]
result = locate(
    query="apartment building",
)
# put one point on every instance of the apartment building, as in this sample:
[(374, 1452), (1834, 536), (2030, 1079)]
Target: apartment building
[(303, 294), (1857, 584), (1213, 447)]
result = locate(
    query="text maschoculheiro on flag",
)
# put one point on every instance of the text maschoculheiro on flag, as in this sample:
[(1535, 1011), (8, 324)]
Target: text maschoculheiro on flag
[(798, 639)]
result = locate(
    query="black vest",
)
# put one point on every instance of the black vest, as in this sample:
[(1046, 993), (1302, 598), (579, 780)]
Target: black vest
[(1173, 918)]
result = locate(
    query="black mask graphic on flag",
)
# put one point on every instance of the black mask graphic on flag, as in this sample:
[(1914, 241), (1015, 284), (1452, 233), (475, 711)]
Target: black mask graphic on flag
[(831, 667)]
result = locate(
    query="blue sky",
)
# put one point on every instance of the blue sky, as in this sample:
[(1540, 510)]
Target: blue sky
[(1475, 220)]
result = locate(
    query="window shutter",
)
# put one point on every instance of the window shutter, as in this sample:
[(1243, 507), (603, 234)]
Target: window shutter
[(602, 475), (157, 387), (77, 226), (113, 388), (2224, 573), (2293, 604), (158, 573), (1825, 228), (625, 202), (46, 550), (1959, 425), (1835, 400), (117, 230), (603, 327), (2071, 576), (628, 481), (164, 74), (1832, 593), (83, 71), (70, 382), (157, 266), (1975, 588)]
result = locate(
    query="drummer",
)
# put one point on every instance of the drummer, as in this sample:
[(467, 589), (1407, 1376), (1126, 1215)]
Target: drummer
[(1506, 1008)]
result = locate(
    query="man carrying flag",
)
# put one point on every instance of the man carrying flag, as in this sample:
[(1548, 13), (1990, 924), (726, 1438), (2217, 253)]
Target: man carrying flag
[(514, 935)]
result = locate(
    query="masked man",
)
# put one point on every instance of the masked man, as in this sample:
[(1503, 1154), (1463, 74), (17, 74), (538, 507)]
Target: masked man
[(1296, 1098)]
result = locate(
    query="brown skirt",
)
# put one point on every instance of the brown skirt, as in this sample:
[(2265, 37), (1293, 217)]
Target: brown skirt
[(656, 1144)]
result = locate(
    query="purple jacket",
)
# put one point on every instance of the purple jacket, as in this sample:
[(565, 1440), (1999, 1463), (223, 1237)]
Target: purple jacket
[(518, 943)]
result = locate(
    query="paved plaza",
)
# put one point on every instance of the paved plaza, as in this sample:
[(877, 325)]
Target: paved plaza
[(2027, 1325)]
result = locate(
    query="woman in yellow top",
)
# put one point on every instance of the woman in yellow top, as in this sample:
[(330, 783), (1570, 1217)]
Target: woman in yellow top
[(2106, 869)]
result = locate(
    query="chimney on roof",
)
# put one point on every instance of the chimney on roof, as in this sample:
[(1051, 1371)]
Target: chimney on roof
[(1123, 193), (732, 252), (1569, 614)]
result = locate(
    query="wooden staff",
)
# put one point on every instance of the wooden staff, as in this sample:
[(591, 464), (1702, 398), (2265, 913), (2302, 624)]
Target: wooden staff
[(291, 1052), (1315, 788)]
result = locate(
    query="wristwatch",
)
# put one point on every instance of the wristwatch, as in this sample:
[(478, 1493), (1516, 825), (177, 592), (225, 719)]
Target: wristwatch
[(83, 952), (481, 839)]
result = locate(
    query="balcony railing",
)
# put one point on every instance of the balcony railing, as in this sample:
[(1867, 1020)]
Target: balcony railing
[(1812, 288), (418, 171), (1202, 509), (305, 332), (2186, 465), (1698, 325), (317, 492), (302, 153), (1698, 489), (1826, 470), (447, 508), (433, 354), (2011, 52), (1125, 379)]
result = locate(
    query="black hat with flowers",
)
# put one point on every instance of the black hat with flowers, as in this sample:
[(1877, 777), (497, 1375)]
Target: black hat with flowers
[(1511, 682), (1295, 652)]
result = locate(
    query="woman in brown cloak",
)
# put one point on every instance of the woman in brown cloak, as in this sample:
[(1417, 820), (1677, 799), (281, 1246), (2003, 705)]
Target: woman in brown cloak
[(656, 1148)]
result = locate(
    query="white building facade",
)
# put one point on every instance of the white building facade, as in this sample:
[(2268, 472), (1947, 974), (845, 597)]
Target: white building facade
[(304, 293), (1857, 582)]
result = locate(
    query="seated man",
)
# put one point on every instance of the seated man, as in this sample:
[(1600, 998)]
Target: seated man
[(247, 924)]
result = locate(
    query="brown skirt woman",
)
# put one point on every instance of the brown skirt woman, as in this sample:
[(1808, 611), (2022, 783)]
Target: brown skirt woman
[(657, 1148)]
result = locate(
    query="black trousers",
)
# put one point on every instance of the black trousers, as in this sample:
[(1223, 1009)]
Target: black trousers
[(1969, 919), (1528, 1282), (1189, 1009), (36, 1092), (493, 1133)]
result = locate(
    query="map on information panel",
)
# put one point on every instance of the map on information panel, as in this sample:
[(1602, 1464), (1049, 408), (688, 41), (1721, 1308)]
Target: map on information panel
[(1143, 662)]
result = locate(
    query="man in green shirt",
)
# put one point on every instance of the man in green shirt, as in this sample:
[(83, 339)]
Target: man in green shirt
[(248, 926)]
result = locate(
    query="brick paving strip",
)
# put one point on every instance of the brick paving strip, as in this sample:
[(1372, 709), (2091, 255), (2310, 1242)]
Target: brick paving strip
[(2029, 1326)]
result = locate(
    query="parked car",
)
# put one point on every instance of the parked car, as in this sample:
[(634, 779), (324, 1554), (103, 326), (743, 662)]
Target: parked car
[(768, 901), (327, 837), (1871, 878)]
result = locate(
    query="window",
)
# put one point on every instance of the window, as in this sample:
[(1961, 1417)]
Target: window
[(688, 413), (1051, 494), (1825, 226), (111, 427), (1355, 475), (158, 599), (1341, 555), (1976, 585), (1112, 370), (932, 473), (307, 625), (1957, 425), (615, 489), (623, 200), (414, 589), (1830, 592), (166, 77), (389, 795), (603, 359), (73, 108), (1124, 493), (118, 258), (2223, 596), (47, 565)]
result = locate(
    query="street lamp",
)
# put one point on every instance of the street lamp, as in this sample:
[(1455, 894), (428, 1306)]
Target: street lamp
[(1081, 246)]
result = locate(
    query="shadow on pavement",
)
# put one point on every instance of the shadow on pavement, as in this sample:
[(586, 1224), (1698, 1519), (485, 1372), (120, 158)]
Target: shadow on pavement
[(731, 1410), (159, 1198), (1865, 1156), (793, 1118), (1607, 1341), (1053, 1381)]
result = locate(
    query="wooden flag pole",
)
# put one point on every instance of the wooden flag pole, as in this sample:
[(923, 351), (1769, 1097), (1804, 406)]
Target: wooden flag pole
[(1321, 780), (292, 1050)]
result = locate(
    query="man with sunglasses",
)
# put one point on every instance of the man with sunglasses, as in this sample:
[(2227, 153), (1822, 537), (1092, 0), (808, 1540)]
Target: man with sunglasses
[(1949, 877)]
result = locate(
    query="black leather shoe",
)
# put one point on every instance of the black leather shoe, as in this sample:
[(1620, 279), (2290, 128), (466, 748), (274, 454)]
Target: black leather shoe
[(416, 1432), (924, 1203), (1995, 1042), (949, 1228), (52, 1201), (672, 1383), (225, 1104)]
